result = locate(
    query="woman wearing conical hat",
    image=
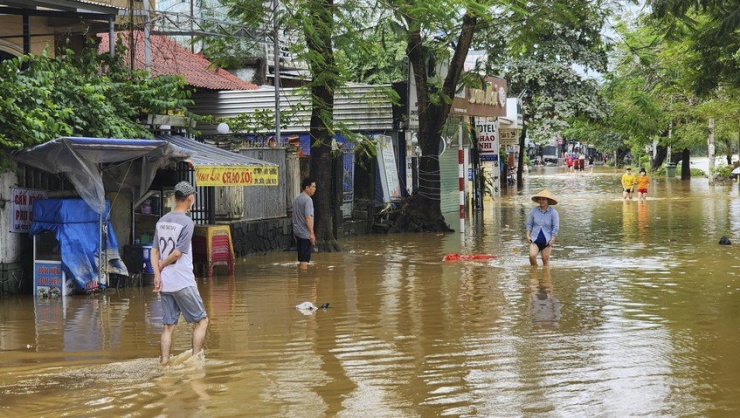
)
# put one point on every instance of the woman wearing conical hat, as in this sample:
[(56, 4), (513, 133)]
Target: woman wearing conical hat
[(543, 225)]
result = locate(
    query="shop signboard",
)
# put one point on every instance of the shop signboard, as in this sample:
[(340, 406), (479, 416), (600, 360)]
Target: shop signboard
[(488, 101), (509, 137), (21, 208), (488, 144), (49, 280), (206, 175)]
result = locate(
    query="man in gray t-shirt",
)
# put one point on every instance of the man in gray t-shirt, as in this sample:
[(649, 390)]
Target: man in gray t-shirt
[(303, 222), (172, 260)]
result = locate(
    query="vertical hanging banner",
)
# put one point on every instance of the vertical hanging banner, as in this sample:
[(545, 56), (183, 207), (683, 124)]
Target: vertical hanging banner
[(21, 209), (387, 165), (410, 144)]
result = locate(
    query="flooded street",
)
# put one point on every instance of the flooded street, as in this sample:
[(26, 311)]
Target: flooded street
[(638, 315)]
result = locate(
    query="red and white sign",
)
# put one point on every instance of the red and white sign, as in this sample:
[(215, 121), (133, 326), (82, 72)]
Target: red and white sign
[(21, 208)]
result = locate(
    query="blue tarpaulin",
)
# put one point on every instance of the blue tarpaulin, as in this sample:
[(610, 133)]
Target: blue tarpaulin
[(76, 227)]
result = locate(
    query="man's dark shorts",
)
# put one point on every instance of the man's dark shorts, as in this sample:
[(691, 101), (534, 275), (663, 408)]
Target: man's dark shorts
[(186, 301), (304, 247)]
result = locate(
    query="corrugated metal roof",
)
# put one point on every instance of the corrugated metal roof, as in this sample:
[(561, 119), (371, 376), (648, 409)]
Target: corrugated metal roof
[(361, 107), (79, 6), (205, 155)]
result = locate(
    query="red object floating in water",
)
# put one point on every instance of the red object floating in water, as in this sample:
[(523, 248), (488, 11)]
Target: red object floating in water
[(468, 257)]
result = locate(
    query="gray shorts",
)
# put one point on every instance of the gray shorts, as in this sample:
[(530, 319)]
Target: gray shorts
[(187, 301)]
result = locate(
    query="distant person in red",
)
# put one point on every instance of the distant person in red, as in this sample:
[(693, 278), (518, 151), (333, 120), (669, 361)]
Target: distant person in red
[(569, 161)]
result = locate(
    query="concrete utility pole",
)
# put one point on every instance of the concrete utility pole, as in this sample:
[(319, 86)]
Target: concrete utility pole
[(710, 151), (276, 79), (147, 40), (670, 135), (132, 44)]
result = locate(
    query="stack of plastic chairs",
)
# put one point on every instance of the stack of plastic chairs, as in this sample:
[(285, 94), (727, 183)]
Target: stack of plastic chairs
[(212, 246)]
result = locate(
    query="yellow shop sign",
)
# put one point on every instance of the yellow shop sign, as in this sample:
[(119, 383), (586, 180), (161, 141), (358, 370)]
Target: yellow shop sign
[(236, 176)]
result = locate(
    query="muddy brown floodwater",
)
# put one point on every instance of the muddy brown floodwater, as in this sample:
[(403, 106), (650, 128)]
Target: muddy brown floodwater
[(638, 315)]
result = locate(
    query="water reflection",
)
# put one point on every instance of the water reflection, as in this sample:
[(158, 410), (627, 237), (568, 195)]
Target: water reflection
[(643, 220), (636, 316), (628, 222), (544, 300)]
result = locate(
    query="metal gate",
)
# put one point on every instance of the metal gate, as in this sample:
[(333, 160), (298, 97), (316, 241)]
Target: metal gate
[(203, 211)]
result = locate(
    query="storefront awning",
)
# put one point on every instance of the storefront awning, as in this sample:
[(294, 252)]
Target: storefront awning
[(91, 164), (219, 167)]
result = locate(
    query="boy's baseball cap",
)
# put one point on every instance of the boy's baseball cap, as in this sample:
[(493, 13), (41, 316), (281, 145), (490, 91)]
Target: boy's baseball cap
[(184, 188)]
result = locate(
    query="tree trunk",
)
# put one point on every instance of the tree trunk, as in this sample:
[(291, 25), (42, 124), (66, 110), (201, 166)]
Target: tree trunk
[(423, 212), (660, 156), (321, 61), (620, 157), (686, 164), (728, 151)]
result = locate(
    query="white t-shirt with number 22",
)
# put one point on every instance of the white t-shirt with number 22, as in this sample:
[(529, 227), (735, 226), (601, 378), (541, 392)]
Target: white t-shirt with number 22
[(175, 231)]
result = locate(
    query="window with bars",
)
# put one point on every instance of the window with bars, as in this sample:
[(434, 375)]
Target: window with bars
[(33, 178)]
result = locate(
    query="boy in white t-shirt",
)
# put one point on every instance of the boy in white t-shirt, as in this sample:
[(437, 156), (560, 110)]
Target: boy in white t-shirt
[(172, 260)]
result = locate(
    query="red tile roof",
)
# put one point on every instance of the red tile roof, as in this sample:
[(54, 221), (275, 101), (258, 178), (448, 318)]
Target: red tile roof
[(167, 57)]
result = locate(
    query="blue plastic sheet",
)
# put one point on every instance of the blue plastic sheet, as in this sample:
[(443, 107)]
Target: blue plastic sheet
[(76, 227)]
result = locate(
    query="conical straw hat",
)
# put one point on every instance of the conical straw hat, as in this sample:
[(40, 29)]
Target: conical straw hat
[(545, 193)]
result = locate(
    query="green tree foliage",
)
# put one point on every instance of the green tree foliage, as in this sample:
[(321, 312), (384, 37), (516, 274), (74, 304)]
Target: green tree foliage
[(259, 124), (80, 95), (315, 21), (543, 50), (725, 109), (374, 54), (652, 97), (435, 32), (641, 89), (711, 32)]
